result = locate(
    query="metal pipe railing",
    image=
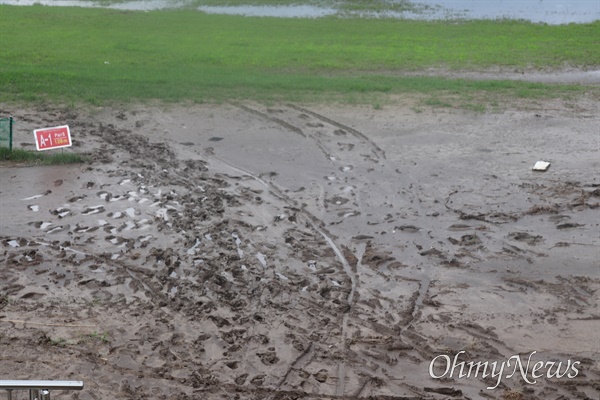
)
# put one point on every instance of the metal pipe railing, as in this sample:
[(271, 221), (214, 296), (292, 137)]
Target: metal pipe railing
[(39, 390)]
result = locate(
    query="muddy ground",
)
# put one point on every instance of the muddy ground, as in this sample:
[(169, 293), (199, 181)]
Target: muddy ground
[(245, 251)]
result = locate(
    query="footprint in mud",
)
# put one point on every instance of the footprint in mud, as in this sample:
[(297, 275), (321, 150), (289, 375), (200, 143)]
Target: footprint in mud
[(117, 241), (526, 237), (83, 229), (269, 357), (37, 196), (61, 212), (116, 215), (77, 198), (338, 200), (346, 146), (93, 210), (40, 224), (56, 229), (19, 242)]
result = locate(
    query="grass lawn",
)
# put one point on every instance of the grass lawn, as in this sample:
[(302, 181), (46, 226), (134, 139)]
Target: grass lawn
[(39, 158), (98, 55)]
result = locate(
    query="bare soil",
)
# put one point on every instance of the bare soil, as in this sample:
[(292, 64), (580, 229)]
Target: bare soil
[(244, 251)]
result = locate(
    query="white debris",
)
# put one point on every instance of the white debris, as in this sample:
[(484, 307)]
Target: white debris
[(162, 213), (541, 166), (282, 277), (261, 258), (34, 208), (13, 243), (192, 250), (335, 283), (131, 212), (37, 196)]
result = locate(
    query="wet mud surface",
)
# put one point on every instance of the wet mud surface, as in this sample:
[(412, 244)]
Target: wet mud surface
[(247, 251)]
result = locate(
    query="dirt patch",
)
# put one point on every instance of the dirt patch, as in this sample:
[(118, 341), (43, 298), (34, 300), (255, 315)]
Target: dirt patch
[(308, 253)]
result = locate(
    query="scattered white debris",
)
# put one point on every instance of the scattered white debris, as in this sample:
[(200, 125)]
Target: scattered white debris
[(541, 166), (102, 222), (45, 225), (192, 250), (34, 208), (282, 277), (124, 181), (346, 168), (117, 214), (244, 268), (142, 200), (208, 237), (261, 258), (114, 256), (13, 243), (304, 289), (37, 196), (63, 214), (335, 283), (162, 213), (130, 212), (173, 275)]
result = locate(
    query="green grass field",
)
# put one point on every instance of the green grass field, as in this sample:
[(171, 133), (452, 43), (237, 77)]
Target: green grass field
[(39, 158), (98, 55)]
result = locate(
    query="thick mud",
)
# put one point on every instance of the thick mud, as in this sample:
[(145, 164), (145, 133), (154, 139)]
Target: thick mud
[(304, 252)]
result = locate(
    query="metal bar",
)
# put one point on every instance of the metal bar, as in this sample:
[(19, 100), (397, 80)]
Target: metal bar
[(9, 394), (44, 394), (39, 385), (34, 394), (10, 134)]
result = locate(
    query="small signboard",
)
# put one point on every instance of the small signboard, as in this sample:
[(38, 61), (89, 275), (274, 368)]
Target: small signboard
[(52, 138)]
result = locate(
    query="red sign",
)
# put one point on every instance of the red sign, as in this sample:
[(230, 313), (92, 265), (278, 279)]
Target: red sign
[(52, 138)]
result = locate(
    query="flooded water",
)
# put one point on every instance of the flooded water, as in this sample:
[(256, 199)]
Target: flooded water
[(297, 11), (539, 11)]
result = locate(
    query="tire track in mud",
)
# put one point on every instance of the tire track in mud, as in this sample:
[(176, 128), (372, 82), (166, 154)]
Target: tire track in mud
[(321, 126), (375, 148), (286, 125), (317, 225)]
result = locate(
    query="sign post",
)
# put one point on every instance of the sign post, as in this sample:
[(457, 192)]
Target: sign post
[(52, 138)]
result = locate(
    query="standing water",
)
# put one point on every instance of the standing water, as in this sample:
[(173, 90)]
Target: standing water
[(539, 11)]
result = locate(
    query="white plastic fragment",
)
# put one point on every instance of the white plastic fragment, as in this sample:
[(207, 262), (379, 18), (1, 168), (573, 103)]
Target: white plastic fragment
[(541, 166)]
